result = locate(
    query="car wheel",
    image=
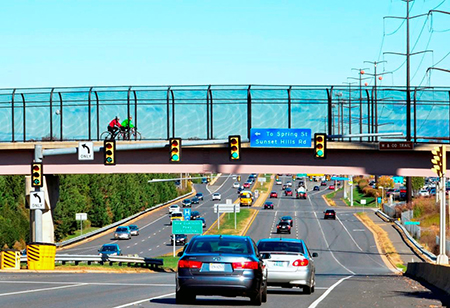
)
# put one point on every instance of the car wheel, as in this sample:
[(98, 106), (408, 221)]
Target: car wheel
[(289, 231), (256, 299), (264, 294), (306, 290)]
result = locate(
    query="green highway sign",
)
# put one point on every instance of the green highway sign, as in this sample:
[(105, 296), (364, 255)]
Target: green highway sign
[(187, 227)]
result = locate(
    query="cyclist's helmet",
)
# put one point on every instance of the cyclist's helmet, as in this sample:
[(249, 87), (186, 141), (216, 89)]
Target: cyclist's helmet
[(117, 118)]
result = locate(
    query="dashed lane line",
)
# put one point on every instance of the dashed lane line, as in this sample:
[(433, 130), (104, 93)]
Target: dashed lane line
[(42, 290)]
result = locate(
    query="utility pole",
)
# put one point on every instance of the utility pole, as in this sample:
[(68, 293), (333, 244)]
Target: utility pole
[(349, 107), (442, 257), (375, 104), (361, 72)]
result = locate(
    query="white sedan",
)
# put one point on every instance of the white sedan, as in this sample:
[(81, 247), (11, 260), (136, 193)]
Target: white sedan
[(424, 193), (174, 208), (278, 182), (236, 185), (216, 196)]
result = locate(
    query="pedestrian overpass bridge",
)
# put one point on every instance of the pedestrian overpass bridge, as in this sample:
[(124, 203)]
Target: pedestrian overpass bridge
[(153, 157)]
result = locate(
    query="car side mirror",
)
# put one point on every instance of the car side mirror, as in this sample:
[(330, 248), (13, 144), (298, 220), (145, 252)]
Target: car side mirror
[(315, 255)]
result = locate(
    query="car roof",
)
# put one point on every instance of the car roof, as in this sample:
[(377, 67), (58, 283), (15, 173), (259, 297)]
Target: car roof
[(223, 236), (113, 244), (269, 202), (286, 217), (293, 240), (330, 210), (199, 194)]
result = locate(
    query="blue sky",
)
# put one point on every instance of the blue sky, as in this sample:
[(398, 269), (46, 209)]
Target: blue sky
[(83, 43)]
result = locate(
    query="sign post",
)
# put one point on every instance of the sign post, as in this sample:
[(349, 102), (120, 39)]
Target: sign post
[(226, 208), (81, 217)]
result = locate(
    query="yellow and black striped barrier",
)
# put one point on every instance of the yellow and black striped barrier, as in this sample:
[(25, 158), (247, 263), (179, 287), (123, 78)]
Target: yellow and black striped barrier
[(41, 256), (10, 259)]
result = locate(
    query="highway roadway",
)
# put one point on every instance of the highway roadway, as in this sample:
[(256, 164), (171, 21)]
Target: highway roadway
[(349, 269)]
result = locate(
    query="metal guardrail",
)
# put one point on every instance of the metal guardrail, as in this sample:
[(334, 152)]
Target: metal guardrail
[(104, 259), (118, 223), (430, 256)]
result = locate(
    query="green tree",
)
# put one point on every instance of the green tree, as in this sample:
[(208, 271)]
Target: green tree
[(417, 183)]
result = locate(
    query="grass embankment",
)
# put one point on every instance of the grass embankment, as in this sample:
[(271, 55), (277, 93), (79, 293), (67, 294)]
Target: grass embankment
[(382, 240), (329, 198), (227, 223), (78, 233), (357, 196)]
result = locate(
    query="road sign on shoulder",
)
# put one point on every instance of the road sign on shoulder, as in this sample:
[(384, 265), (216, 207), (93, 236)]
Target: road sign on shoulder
[(37, 200), (187, 227), (280, 137), (85, 151), (227, 208), (81, 216), (187, 214)]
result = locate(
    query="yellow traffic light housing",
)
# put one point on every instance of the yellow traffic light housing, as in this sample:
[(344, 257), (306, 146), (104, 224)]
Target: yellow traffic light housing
[(175, 150), (234, 144), (320, 146), (439, 160), (36, 175), (109, 148)]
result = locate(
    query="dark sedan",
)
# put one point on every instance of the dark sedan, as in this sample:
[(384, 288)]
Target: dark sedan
[(195, 200), (268, 205), (180, 239), (329, 214), (283, 226), (199, 196), (316, 188), (195, 215), (287, 219), (223, 265)]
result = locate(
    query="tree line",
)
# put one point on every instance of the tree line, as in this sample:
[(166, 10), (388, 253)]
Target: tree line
[(106, 198)]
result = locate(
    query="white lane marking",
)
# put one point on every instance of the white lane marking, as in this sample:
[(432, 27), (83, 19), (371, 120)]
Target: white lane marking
[(220, 185), (328, 246), (46, 289), (322, 297), (150, 223), (142, 240), (359, 230), (90, 283), (349, 234), (141, 252), (144, 300), (128, 247), (148, 236)]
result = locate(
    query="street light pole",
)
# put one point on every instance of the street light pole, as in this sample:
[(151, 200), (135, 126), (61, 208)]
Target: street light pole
[(361, 72)]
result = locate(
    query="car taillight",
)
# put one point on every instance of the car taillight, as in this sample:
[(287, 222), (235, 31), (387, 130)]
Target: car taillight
[(189, 264), (303, 262), (278, 226), (245, 265)]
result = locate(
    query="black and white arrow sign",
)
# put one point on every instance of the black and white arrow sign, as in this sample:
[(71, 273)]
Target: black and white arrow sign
[(37, 200), (85, 151)]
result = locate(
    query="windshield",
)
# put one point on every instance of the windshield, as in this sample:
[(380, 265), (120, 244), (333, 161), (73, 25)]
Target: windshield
[(121, 230), (246, 195), (220, 245), (108, 248), (281, 246)]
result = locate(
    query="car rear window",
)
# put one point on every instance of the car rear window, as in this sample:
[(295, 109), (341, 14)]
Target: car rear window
[(177, 215), (122, 229), (218, 245), (281, 246)]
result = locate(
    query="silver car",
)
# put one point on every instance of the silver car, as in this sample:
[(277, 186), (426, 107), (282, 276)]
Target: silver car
[(289, 263), (122, 232)]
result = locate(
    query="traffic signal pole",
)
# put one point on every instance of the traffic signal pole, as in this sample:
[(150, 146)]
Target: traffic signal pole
[(37, 213), (442, 257)]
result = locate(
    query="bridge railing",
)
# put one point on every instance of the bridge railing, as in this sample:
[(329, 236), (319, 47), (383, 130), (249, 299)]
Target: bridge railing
[(216, 111)]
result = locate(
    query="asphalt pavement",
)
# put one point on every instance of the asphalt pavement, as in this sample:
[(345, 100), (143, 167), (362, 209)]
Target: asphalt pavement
[(349, 269)]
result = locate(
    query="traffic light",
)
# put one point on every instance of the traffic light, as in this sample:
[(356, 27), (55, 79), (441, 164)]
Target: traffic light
[(439, 160), (36, 175), (320, 146), (109, 147), (234, 144), (175, 150), (239, 178)]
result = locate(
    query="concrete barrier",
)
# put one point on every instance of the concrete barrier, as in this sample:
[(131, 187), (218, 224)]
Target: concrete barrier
[(436, 275)]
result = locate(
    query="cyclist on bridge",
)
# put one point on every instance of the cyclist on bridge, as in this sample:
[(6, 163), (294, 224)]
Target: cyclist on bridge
[(114, 126), (127, 124)]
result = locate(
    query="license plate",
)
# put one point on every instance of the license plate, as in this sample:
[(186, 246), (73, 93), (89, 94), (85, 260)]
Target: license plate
[(278, 264), (216, 267)]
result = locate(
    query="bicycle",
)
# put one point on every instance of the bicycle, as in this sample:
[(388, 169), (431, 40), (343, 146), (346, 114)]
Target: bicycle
[(129, 134), (132, 134)]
